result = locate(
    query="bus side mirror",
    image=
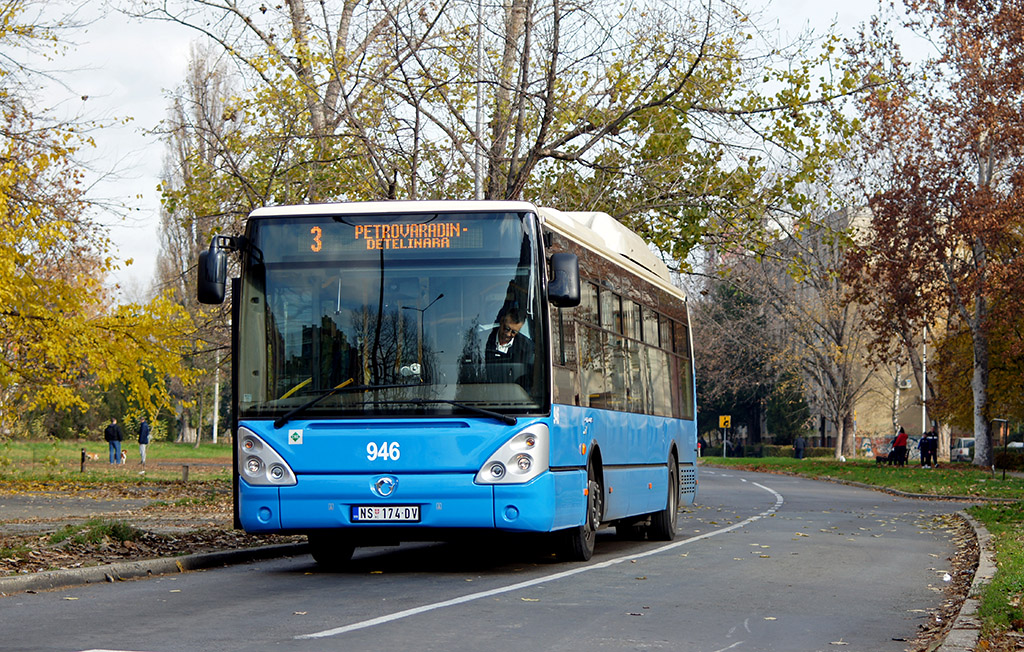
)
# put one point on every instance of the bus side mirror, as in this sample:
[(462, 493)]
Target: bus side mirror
[(212, 275), (564, 286)]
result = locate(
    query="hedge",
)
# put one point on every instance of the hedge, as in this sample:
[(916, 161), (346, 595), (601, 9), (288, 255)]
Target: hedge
[(1009, 460), (768, 450)]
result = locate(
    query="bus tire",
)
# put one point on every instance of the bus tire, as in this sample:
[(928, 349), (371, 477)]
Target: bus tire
[(663, 523), (578, 543), (329, 550)]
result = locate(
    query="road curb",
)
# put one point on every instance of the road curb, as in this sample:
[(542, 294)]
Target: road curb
[(56, 579), (963, 635)]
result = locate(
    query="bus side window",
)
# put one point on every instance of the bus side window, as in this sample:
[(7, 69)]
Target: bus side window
[(587, 310)]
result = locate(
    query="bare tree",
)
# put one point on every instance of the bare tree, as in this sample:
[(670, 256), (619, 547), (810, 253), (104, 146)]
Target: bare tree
[(196, 132), (812, 312)]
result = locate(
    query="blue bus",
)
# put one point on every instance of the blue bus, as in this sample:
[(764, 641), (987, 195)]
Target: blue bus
[(423, 370)]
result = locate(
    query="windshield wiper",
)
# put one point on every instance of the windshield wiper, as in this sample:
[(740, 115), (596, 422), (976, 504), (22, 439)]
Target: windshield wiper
[(507, 419), (287, 416)]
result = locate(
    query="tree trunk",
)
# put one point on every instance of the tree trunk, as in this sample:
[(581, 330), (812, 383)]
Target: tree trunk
[(849, 436), (186, 433), (944, 442), (979, 387), (199, 429), (840, 435)]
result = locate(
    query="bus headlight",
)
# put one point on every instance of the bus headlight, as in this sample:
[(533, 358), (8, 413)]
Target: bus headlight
[(259, 464), (520, 459)]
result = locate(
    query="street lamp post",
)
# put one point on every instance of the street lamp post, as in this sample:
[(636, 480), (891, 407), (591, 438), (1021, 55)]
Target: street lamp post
[(419, 327)]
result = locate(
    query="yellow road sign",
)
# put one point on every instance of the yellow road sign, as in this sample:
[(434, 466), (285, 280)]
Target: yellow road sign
[(724, 421)]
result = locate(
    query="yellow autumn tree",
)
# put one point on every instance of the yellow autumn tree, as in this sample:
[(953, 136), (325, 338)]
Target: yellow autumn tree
[(59, 330)]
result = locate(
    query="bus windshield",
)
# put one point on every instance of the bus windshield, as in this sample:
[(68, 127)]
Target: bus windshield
[(398, 314)]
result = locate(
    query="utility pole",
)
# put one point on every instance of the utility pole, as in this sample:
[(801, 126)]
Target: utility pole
[(478, 172), (216, 394), (924, 380)]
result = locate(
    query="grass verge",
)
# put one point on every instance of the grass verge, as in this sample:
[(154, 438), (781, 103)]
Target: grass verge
[(62, 460), (95, 531), (957, 479), (1001, 599)]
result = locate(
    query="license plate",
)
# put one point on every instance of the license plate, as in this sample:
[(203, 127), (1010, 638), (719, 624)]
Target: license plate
[(386, 514)]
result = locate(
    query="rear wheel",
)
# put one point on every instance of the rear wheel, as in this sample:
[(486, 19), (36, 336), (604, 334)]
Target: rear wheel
[(578, 543), (663, 523), (330, 550)]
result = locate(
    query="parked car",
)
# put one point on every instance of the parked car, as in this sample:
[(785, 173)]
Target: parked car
[(1015, 444), (962, 449)]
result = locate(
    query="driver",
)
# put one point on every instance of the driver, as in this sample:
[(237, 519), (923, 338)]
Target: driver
[(508, 354)]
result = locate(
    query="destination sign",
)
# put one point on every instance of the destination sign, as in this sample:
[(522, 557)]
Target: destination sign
[(433, 235)]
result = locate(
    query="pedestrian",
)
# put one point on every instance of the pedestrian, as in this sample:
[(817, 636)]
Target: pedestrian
[(143, 440), (899, 447), (112, 433), (930, 448), (799, 445)]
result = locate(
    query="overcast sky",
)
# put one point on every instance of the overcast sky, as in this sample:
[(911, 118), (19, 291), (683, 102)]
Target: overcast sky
[(126, 69)]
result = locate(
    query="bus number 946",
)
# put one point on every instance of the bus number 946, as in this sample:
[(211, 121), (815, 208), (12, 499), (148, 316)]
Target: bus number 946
[(385, 451)]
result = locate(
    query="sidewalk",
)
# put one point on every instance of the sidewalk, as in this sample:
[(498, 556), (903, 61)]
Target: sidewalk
[(37, 512)]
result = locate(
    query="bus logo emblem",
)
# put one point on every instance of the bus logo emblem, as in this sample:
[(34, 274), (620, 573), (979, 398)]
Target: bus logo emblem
[(385, 486)]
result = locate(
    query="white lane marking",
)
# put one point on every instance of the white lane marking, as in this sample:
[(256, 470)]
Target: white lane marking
[(737, 643), (543, 580)]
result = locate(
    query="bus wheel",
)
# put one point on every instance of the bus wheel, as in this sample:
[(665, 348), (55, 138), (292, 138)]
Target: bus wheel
[(578, 544), (329, 550), (663, 523)]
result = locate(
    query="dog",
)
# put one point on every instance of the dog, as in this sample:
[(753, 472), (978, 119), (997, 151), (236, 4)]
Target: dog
[(881, 459), (93, 456), (124, 457)]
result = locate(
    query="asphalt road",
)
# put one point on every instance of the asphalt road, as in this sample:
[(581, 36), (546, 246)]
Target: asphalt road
[(761, 563)]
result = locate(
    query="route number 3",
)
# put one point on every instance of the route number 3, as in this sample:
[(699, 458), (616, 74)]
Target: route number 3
[(317, 242), (385, 451)]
